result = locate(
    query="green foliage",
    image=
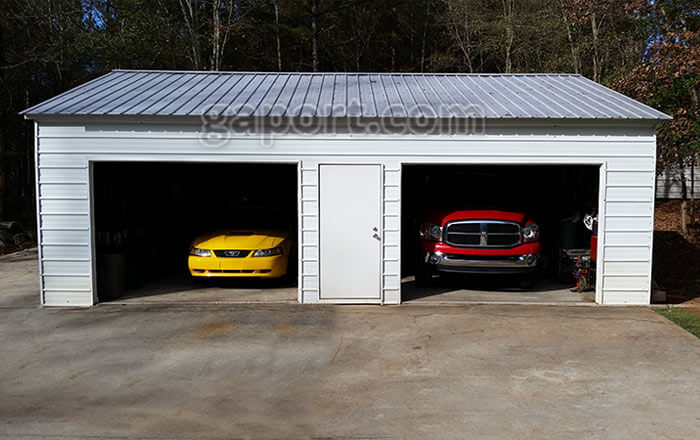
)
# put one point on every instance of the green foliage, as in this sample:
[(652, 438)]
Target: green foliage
[(48, 46)]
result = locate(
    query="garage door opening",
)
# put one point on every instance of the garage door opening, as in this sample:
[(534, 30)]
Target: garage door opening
[(195, 232), (490, 254)]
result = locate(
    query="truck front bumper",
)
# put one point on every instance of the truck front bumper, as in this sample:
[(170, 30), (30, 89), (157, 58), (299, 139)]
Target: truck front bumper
[(483, 264)]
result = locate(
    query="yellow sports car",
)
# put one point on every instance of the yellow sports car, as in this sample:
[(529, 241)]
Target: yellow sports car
[(260, 251)]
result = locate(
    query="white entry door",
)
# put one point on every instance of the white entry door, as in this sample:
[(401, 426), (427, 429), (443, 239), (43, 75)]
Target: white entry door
[(350, 237)]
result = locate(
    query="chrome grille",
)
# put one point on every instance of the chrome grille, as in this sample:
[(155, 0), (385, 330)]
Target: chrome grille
[(231, 253), (482, 233)]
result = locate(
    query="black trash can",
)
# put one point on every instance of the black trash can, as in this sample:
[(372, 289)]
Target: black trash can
[(111, 273)]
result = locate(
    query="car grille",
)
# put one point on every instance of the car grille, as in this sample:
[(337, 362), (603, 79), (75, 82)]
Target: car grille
[(231, 253), (482, 233)]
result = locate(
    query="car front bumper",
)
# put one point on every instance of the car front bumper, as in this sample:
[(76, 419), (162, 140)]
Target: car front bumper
[(261, 267), (483, 264)]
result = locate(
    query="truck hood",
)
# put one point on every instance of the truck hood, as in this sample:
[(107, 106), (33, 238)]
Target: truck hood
[(476, 214), (240, 239)]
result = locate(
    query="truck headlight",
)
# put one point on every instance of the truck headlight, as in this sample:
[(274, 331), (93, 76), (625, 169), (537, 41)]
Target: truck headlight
[(430, 231), (268, 252), (531, 233), (197, 252)]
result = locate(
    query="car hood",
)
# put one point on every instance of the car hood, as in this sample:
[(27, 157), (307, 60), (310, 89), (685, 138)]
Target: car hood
[(476, 214), (240, 239)]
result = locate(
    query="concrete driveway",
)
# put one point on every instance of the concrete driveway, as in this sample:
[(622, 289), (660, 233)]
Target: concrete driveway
[(293, 371)]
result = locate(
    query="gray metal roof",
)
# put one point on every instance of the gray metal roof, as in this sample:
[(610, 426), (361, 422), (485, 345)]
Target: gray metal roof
[(366, 95)]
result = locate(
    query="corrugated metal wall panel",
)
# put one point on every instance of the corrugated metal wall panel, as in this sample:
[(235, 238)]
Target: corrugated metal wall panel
[(391, 249), (63, 298), (64, 224), (76, 238), (62, 268), (625, 267), (66, 252), (64, 153), (631, 193), (626, 238), (668, 184), (63, 206), (308, 245)]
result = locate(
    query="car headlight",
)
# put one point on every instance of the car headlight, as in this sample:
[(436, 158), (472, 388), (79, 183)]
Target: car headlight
[(197, 252), (531, 233), (268, 252), (430, 231)]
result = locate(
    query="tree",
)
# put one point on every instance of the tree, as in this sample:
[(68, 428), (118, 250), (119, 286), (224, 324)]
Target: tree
[(48, 46), (464, 20), (44, 49), (669, 80)]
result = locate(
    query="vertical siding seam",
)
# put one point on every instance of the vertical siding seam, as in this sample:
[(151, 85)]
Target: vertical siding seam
[(651, 240), (39, 230), (300, 224), (91, 234), (382, 281), (602, 220)]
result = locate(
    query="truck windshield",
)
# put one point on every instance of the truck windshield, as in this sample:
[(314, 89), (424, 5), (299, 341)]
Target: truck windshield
[(470, 191)]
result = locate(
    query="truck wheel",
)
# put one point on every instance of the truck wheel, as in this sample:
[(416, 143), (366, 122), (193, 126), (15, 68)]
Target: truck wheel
[(527, 281), (424, 274)]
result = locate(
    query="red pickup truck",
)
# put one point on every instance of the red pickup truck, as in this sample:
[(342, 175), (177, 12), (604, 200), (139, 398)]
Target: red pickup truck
[(478, 241)]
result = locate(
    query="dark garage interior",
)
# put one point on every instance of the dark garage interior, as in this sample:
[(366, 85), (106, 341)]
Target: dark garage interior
[(555, 197), (147, 214)]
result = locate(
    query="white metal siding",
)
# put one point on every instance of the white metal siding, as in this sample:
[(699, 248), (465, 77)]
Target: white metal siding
[(668, 183), (308, 243), (627, 158), (391, 230)]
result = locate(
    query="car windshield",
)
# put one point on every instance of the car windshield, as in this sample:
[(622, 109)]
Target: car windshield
[(255, 218)]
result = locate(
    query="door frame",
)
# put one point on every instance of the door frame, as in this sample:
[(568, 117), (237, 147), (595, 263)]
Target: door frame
[(381, 228), (601, 205), (91, 160)]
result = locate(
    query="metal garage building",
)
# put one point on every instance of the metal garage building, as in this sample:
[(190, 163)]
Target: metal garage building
[(349, 135)]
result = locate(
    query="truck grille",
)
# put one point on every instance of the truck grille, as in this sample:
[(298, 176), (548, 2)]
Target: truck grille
[(232, 253), (482, 233)]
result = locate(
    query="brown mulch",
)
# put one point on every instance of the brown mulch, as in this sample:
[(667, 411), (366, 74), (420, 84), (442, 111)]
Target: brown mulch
[(676, 257)]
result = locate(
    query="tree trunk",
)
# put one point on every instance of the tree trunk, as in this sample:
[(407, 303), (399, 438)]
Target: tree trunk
[(314, 34), (684, 201), (694, 99), (425, 31), (3, 122), (692, 191), (570, 36), (596, 57), (459, 22), (190, 15), (216, 37), (510, 33), (277, 35)]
